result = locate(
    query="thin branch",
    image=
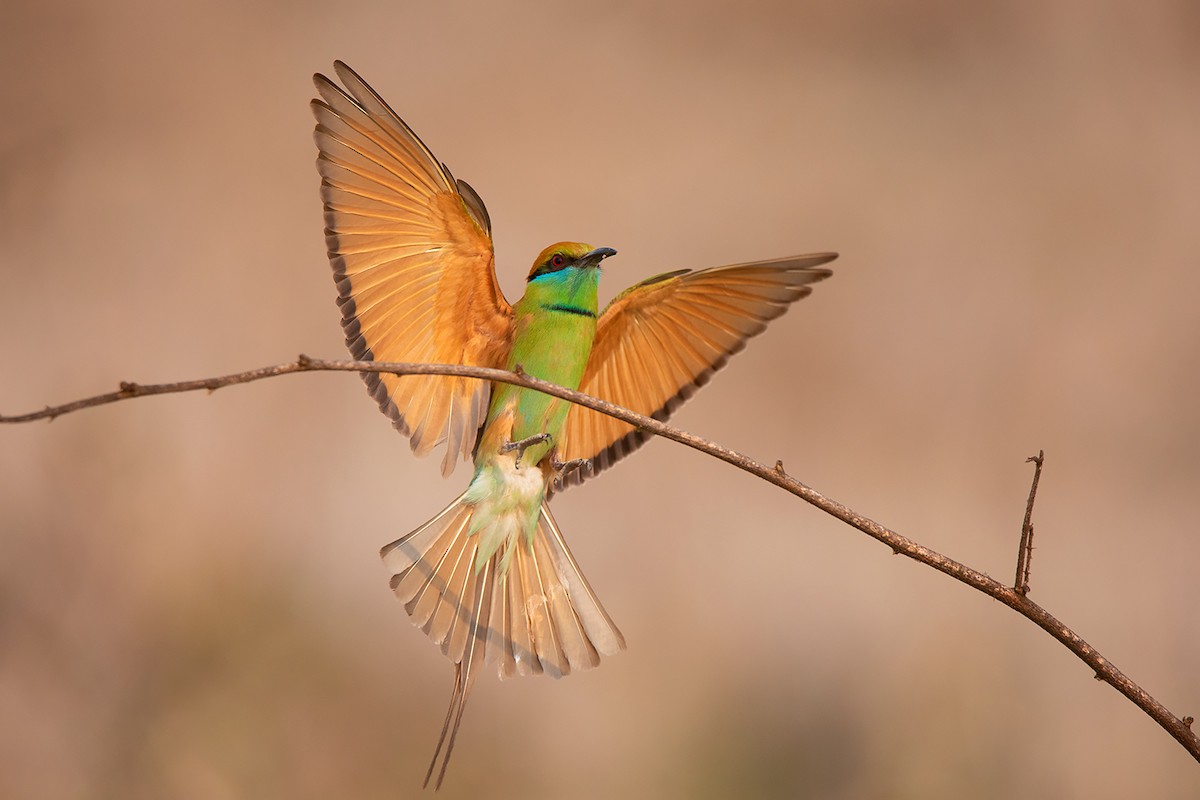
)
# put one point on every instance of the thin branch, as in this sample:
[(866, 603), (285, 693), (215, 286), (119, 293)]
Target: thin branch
[(1179, 729), (1025, 548), (127, 390)]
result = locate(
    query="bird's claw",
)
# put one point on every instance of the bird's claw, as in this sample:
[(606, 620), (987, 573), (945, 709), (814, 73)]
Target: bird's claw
[(565, 468), (521, 445)]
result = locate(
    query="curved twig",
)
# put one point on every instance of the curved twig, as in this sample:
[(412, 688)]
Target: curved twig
[(1179, 728)]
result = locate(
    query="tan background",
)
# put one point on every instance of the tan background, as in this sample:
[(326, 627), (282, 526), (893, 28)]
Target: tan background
[(191, 604)]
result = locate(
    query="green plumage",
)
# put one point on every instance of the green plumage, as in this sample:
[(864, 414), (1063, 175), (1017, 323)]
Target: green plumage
[(554, 327)]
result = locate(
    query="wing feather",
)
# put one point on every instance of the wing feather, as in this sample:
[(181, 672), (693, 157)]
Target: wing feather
[(660, 340), (412, 257)]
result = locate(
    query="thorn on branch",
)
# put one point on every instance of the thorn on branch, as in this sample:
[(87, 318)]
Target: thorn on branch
[(779, 467), (519, 371), (1025, 548)]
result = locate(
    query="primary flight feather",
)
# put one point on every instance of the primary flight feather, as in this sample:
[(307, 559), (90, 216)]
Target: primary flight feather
[(490, 579)]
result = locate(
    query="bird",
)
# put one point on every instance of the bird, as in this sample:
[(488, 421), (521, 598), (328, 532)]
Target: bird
[(490, 578)]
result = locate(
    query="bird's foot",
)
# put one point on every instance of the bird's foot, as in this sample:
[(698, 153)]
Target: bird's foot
[(521, 445), (564, 468)]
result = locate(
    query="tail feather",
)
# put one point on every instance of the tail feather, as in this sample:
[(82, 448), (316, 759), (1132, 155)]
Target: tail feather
[(471, 612), (458, 701), (464, 673), (422, 562), (539, 616), (414, 547), (510, 638), (453, 600), (580, 651), (542, 625), (598, 626)]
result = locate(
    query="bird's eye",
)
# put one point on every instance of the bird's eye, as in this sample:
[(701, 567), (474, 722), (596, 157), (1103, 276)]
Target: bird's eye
[(557, 260)]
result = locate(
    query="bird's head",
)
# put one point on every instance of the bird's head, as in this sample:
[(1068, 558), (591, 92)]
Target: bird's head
[(568, 255)]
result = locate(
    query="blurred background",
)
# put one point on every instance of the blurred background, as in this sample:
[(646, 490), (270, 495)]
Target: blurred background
[(191, 601)]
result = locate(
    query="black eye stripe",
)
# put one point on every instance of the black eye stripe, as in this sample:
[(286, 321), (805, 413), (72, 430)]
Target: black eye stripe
[(554, 263)]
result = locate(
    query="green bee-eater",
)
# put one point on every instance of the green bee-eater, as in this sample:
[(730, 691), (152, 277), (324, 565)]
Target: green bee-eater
[(490, 578)]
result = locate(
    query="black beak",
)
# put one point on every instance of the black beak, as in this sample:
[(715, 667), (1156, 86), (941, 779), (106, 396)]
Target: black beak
[(593, 258)]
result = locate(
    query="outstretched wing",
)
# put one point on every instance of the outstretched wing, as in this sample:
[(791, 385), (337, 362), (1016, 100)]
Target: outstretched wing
[(661, 340), (412, 256)]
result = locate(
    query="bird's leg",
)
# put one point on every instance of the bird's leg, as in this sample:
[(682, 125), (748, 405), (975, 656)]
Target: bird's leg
[(521, 445), (565, 468)]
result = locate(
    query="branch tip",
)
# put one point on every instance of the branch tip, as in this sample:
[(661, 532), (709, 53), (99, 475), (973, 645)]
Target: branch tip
[(1025, 548)]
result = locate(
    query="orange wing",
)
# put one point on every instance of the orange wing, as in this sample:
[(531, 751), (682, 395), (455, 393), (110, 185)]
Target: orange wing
[(661, 340), (412, 256)]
